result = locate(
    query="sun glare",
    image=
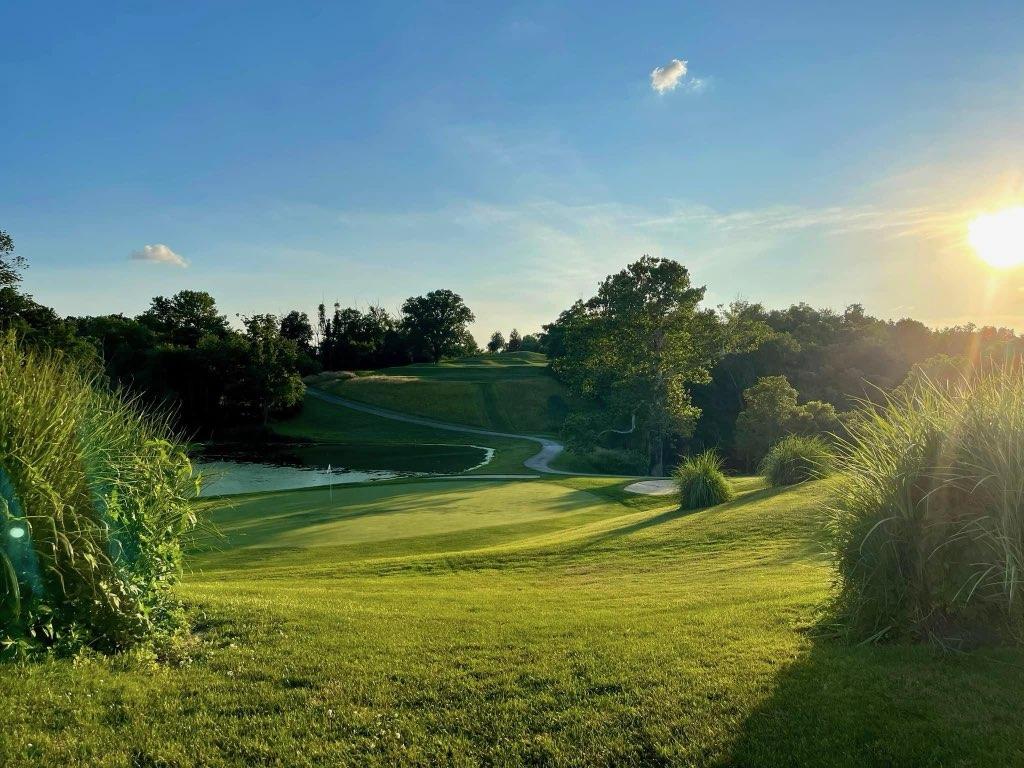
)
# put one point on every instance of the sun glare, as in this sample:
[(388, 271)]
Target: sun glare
[(998, 238)]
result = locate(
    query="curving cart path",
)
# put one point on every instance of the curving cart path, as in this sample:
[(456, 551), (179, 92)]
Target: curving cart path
[(539, 462)]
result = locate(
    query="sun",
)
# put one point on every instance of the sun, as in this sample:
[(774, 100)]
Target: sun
[(998, 238)]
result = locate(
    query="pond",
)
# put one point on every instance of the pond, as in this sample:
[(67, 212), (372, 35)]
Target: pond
[(251, 468)]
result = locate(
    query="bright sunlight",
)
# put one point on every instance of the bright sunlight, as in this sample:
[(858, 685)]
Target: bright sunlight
[(998, 238)]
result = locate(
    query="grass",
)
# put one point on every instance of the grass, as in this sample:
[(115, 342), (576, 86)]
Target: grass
[(797, 459), (506, 393), (327, 423), (928, 519), (547, 622), (701, 481), (94, 497)]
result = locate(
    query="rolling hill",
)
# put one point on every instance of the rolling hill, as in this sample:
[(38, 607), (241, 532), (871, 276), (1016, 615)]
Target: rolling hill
[(511, 392), (550, 622)]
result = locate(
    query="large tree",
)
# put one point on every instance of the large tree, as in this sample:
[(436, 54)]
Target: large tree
[(637, 347), (438, 323)]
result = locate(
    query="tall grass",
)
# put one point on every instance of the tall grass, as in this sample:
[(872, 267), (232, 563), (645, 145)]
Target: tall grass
[(94, 497), (701, 481), (796, 459), (928, 521)]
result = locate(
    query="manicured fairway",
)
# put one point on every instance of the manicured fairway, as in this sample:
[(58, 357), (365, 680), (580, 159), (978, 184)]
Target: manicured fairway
[(324, 422), (504, 393), (545, 622)]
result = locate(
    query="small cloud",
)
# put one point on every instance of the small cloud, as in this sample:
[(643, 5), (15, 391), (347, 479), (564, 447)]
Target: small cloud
[(669, 76), (159, 254)]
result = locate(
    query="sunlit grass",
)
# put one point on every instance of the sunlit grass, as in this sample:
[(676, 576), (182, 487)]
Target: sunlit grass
[(604, 629)]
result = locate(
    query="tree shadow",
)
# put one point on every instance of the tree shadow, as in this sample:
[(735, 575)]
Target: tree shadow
[(844, 705)]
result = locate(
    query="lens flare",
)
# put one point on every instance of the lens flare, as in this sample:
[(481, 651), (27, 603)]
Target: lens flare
[(16, 533), (998, 238)]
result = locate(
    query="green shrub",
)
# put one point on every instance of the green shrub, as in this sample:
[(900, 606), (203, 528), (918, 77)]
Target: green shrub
[(928, 520), (94, 497), (615, 461), (701, 481), (796, 459)]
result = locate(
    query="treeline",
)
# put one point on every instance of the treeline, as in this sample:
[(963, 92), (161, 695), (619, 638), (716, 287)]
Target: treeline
[(515, 343), (429, 328), (659, 376), (182, 354)]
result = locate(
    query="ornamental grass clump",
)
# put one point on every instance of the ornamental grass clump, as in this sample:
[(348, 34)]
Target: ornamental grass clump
[(95, 496), (701, 481), (797, 459), (927, 525)]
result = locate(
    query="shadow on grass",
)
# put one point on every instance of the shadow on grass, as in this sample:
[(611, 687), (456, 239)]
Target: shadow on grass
[(843, 705), (674, 514)]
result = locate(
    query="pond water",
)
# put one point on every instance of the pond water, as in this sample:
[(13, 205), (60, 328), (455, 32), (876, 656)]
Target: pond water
[(237, 468)]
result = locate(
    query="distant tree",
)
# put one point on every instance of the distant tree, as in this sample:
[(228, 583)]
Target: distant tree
[(34, 323), (497, 342), (296, 327), (124, 344), (466, 345), (438, 323), (185, 318), (271, 381), (771, 412), (515, 341), (762, 421), (10, 263), (942, 371), (531, 343)]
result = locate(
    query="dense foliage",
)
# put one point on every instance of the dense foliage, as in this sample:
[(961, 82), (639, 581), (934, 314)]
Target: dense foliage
[(771, 412), (701, 481), (797, 459), (94, 498), (652, 371), (928, 525), (635, 349)]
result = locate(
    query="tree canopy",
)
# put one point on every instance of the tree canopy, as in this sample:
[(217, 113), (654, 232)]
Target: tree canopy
[(438, 322), (635, 349)]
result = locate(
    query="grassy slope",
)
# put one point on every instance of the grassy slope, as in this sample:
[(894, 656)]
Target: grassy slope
[(506, 393), (331, 423), (551, 622)]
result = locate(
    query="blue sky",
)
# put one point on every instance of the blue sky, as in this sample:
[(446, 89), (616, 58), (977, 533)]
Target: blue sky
[(515, 153)]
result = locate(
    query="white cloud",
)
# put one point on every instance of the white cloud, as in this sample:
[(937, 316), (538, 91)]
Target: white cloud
[(669, 76), (159, 254)]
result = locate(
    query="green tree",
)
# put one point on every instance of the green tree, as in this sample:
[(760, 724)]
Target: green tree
[(10, 263), (636, 347), (185, 318), (272, 383), (531, 343), (772, 411), (296, 327), (438, 323), (497, 342), (515, 341)]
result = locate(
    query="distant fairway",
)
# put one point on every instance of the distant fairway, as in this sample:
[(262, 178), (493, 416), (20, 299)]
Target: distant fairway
[(545, 622), (323, 422), (513, 392)]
